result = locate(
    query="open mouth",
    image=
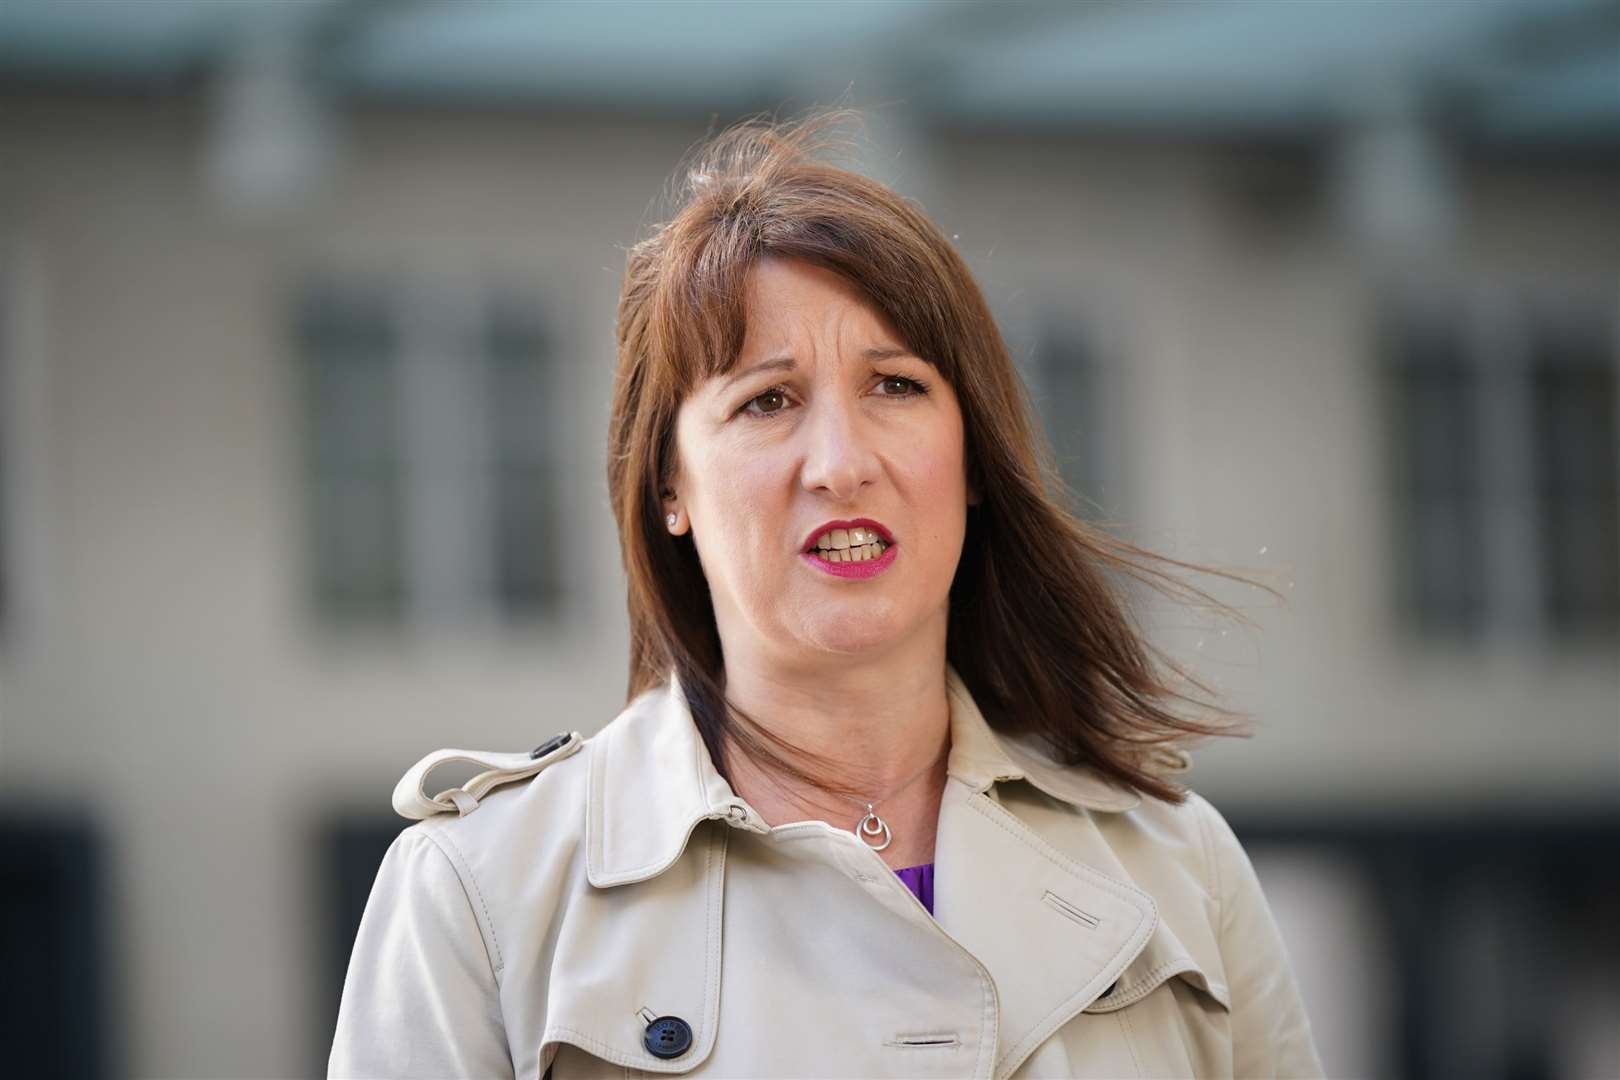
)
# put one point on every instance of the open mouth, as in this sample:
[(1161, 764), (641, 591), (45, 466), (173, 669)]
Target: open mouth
[(859, 544)]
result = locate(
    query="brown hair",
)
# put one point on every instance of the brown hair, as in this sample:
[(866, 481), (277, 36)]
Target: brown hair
[(1039, 631)]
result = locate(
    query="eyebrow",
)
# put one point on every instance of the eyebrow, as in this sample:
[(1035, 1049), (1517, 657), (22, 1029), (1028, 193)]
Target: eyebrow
[(778, 363), (872, 354)]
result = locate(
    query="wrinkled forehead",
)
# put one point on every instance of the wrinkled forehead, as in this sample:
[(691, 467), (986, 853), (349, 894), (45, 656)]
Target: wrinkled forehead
[(777, 301), (792, 305)]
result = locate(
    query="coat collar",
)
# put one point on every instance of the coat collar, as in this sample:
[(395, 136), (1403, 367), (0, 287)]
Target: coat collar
[(980, 757), (651, 780)]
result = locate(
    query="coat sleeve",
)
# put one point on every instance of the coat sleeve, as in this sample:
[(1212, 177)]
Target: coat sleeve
[(420, 999), (1271, 1034)]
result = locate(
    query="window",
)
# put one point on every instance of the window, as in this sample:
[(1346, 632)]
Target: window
[(1572, 398), (1075, 396), (27, 576), (1437, 485), (1502, 410), (431, 453), (5, 449), (526, 539), (350, 353)]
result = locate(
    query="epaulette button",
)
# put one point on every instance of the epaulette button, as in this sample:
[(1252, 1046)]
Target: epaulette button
[(553, 743)]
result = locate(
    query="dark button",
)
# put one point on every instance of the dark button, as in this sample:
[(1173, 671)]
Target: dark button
[(549, 745), (1111, 987), (668, 1036)]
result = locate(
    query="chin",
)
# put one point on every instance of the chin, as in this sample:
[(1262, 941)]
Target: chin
[(855, 629)]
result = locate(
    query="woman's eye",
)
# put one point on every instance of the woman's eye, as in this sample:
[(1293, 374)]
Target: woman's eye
[(775, 400), (906, 386), (771, 401)]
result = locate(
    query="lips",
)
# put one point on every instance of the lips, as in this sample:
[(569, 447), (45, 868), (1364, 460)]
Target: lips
[(878, 527)]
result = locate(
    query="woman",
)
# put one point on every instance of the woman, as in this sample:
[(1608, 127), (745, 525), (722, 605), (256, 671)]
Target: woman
[(892, 795)]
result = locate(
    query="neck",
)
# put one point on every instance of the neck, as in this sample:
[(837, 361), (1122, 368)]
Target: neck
[(880, 722)]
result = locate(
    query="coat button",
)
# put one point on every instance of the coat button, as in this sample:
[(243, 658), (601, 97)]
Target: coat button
[(550, 744), (1110, 989), (668, 1037)]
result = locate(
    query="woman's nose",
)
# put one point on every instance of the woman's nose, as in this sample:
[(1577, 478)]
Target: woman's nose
[(839, 459)]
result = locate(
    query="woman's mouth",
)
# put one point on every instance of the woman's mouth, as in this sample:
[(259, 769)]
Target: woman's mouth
[(849, 545), (851, 553)]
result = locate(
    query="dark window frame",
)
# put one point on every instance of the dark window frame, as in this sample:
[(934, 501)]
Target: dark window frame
[(466, 526), (1460, 370)]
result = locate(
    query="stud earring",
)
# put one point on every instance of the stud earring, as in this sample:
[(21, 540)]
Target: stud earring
[(671, 520)]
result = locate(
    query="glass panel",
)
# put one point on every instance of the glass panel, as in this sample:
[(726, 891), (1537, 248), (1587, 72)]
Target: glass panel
[(525, 445), (349, 357), (1067, 392), (358, 565), (1432, 395), (528, 540), (5, 485), (1577, 487)]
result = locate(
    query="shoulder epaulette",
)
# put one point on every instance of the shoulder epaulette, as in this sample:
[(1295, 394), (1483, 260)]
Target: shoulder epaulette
[(411, 798)]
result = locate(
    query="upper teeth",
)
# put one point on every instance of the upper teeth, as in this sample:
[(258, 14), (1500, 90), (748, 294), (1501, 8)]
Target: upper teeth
[(843, 540)]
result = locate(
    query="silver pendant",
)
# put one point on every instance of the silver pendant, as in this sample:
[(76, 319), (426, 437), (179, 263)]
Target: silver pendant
[(872, 826)]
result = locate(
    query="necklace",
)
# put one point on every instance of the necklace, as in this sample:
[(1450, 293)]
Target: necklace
[(871, 826)]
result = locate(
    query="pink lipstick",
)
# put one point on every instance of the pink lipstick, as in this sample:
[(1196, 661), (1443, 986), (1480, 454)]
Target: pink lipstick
[(859, 548), (869, 568)]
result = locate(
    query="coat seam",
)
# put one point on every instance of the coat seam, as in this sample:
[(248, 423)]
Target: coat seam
[(711, 966), (1130, 1041), (1212, 866), (1206, 830), (464, 875), (989, 1026), (594, 825)]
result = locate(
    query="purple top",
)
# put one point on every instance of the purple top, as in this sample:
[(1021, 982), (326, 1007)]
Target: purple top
[(920, 880)]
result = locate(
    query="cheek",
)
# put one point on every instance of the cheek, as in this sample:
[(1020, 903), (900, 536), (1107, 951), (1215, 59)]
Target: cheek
[(938, 477), (736, 485), (737, 508)]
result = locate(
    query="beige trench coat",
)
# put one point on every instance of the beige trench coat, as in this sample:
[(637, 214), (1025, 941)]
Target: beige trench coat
[(1079, 930)]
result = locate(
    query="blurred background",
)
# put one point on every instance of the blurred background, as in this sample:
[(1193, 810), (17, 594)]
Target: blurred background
[(306, 320)]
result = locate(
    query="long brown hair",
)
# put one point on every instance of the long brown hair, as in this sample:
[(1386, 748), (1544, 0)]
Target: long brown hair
[(1040, 629)]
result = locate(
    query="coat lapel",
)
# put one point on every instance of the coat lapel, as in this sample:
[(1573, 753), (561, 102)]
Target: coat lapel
[(1053, 930)]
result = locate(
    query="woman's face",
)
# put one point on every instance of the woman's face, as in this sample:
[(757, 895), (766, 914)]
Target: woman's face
[(826, 417)]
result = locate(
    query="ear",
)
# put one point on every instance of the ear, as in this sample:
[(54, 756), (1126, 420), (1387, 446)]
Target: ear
[(675, 519)]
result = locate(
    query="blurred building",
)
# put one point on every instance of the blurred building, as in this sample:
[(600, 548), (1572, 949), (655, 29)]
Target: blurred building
[(306, 320)]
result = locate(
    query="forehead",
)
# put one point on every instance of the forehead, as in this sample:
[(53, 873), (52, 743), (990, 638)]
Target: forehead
[(789, 298)]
